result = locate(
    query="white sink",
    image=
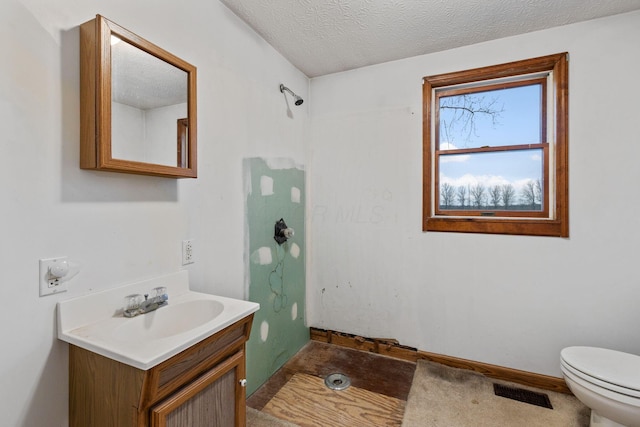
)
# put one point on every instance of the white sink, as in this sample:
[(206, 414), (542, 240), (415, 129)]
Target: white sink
[(95, 321), (169, 321)]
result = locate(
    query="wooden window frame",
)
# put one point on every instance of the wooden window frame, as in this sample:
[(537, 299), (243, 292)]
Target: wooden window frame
[(183, 145), (554, 222)]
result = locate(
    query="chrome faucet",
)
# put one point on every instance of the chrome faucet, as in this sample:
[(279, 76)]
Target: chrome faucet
[(135, 304)]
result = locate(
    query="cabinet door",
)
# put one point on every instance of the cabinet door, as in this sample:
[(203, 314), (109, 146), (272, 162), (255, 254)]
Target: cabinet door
[(216, 399)]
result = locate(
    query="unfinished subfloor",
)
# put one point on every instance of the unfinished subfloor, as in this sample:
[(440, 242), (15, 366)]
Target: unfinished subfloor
[(296, 395), (379, 386)]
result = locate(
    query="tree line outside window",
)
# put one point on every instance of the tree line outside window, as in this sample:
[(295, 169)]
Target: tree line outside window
[(497, 197)]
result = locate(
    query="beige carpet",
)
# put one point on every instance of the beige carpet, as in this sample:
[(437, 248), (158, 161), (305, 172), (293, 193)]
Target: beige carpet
[(443, 397)]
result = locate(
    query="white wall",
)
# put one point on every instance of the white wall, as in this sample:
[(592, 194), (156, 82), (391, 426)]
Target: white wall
[(128, 132), (121, 228), (145, 135), (159, 125), (508, 300), (512, 301)]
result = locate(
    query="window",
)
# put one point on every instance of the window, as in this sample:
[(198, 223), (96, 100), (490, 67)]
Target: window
[(495, 149)]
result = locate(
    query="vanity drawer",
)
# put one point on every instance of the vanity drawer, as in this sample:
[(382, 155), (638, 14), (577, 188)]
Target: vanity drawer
[(184, 367)]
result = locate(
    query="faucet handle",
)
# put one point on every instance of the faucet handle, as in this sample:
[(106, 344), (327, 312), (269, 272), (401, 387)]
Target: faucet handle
[(161, 293), (132, 302)]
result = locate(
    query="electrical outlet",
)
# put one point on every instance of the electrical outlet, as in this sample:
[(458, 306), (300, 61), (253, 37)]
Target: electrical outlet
[(188, 256), (49, 283)]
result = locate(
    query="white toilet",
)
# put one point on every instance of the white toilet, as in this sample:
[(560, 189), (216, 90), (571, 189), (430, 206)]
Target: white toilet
[(607, 381)]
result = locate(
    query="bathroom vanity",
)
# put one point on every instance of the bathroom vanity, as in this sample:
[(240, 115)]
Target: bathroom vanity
[(181, 365)]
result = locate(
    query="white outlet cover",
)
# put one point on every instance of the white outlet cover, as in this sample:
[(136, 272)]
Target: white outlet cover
[(188, 255), (49, 285)]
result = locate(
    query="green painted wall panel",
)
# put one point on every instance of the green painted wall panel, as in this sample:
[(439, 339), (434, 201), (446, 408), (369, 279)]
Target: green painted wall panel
[(276, 272)]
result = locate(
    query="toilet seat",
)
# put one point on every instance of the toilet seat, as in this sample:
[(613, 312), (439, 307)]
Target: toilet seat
[(613, 370)]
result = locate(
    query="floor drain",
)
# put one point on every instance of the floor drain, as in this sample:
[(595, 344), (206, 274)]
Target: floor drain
[(337, 381), (522, 395)]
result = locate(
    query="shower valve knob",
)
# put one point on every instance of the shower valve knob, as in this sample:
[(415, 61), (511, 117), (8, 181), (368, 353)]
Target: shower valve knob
[(288, 233), (282, 232)]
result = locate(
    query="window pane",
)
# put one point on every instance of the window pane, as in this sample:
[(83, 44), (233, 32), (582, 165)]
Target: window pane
[(502, 180), (492, 118)]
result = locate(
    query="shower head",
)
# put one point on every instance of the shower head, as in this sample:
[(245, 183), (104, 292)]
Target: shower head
[(296, 99)]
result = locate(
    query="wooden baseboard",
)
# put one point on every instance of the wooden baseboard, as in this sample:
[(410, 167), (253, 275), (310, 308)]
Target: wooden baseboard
[(391, 348), (386, 347)]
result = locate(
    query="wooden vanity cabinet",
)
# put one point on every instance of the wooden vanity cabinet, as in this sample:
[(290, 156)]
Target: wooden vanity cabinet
[(201, 386), (208, 401)]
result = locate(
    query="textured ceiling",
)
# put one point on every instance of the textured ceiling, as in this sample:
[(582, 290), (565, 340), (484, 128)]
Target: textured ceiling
[(327, 36), (141, 80)]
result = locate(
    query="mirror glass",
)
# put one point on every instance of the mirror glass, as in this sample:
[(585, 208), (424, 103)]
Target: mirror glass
[(148, 107), (138, 104)]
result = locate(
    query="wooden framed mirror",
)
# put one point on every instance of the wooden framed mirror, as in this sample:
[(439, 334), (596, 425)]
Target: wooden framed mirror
[(135, 97)]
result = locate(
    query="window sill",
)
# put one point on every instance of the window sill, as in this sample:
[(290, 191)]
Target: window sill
[(529, 227)]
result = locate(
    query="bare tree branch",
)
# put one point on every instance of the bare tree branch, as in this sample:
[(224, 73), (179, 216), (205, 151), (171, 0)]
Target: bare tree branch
[(478, 194), (508, 194), (465, 108), (495, 193), (447, 194)]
